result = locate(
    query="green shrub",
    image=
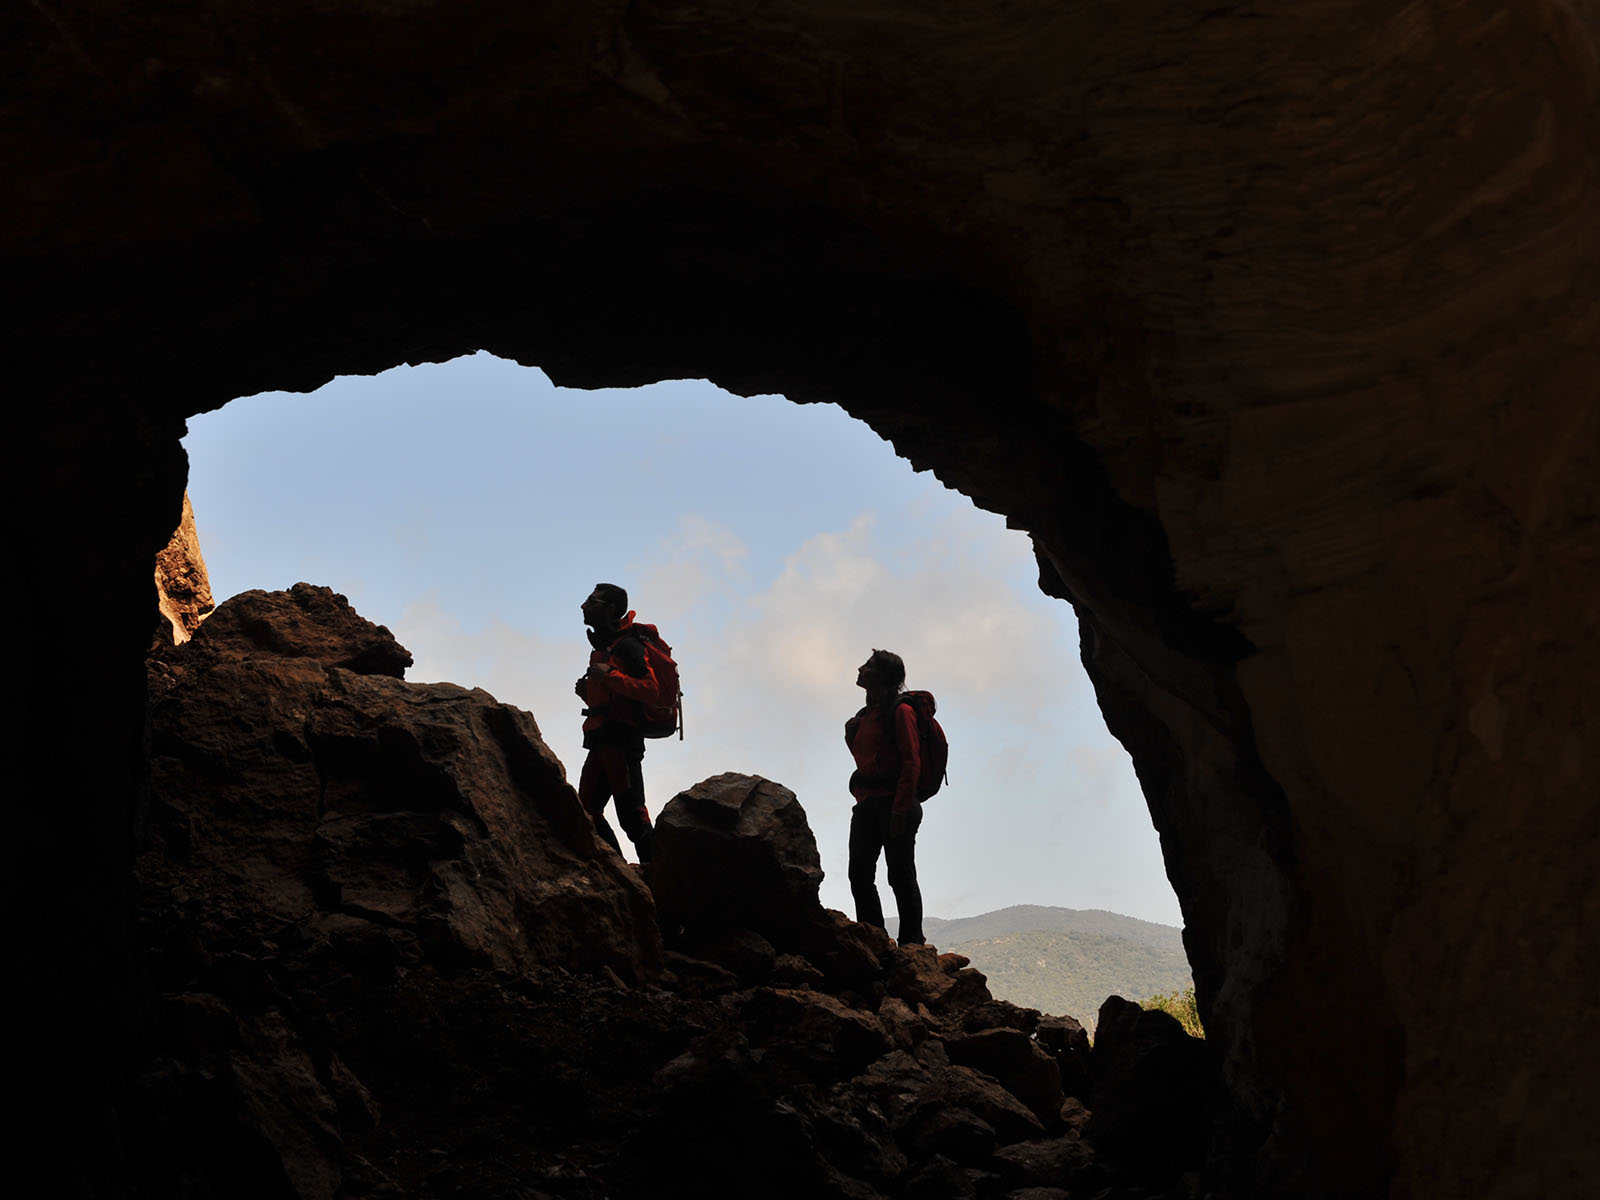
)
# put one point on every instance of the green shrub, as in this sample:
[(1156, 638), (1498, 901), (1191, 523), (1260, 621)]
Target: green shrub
[(1180, 1004)]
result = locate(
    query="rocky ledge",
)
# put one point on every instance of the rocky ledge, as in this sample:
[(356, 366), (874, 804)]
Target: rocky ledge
[(394, 960)]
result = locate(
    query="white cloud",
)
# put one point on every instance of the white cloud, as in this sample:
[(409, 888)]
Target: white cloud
[(702, 558), (954, 616)]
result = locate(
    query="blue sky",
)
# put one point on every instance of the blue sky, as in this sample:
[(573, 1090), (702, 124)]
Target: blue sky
[(470, 506)]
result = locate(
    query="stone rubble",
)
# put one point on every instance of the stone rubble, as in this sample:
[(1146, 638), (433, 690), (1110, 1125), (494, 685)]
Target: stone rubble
[(394, 960)]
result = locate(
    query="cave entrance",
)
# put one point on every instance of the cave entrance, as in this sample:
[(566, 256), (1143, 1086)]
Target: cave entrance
[(471, 505)]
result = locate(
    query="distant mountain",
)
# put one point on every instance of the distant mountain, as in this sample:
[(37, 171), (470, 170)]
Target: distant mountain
[(1066, 961), (1029, 918)]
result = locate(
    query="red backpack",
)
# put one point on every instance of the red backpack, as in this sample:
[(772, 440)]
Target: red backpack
[(934, 747), (664, 717)]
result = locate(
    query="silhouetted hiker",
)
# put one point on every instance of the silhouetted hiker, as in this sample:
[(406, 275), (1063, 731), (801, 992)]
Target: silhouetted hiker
[(618, 689), (883, 738)]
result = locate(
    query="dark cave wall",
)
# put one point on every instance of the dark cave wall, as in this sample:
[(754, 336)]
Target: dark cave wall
[(1276, 325), (95, 484)]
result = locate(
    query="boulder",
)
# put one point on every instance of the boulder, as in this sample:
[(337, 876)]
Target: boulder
[(744, 953), (954, 1133), (307, 622), (792, 970), (692, 976), (849, 953), (735, 852), (942, 1178), (822, 1036), (907, 1089), (919, 974), (906, 1030), (1057, 1162), (1025, 1069), (1154, 1092), (1001, 1014), (962, 1087), (1068, 1041)]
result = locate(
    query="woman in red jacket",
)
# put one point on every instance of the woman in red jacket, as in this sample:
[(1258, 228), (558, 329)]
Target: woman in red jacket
[(883, 740)]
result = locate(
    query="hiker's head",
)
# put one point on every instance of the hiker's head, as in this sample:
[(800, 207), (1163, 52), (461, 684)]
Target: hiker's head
[(605, 605), (884, 671)]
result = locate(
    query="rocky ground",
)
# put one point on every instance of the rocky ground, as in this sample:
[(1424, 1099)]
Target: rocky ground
[(394, 960)]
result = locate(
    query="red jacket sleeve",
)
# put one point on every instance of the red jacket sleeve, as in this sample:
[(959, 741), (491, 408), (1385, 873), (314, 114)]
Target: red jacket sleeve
[(910, 747), (643, 688), (618, 684)]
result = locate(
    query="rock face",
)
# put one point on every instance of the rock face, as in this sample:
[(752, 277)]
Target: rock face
[(393, 958), (1275, 325), (327, 840), (304, 791), (183, 589)]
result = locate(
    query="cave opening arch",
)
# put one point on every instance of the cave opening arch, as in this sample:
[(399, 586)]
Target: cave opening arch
[(949, 370), (450, 496), (912, 331)]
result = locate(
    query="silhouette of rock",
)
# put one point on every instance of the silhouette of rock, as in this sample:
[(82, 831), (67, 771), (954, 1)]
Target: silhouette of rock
[(1154, 1092), (394, 959), (1025, 1068), (848, 953), (1066, 1039), (306, 622), (915, 1092), (300, 782), (735, 852), (938, 981), (747, 956), (319, 829), (824, 1037), (1067, 1159)]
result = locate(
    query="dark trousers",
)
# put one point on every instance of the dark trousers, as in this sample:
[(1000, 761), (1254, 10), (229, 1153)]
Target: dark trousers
[(869, 834), (617, 772)]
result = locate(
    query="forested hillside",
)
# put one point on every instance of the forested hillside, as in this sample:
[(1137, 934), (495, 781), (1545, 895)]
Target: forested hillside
[(1066, 961)]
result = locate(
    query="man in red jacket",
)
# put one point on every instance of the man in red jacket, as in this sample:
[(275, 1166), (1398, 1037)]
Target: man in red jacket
[(882, 738), (618, 680)]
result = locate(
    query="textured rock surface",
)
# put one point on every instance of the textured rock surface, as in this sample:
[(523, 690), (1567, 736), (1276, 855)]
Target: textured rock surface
[(1274, 324), (739, 854), (301, 786), (183, 589)]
